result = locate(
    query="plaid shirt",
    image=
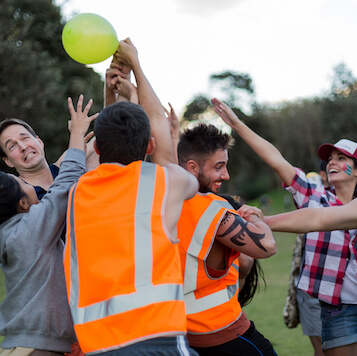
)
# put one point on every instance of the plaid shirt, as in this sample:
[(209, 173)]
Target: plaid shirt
[(326, 253)]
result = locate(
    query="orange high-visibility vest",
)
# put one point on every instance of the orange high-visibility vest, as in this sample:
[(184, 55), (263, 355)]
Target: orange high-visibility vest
[(211, 303), (123, 273)]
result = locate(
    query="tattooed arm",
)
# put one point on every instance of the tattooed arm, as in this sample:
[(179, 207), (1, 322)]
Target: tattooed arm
[(250, 235)]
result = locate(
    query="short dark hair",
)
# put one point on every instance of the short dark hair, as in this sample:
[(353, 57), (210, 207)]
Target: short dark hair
[(122, 132), (13, 121), (10, 195), (200, 142)]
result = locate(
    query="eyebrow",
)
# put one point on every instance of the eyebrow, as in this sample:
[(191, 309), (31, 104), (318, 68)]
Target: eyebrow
[(339, 153), (11, 139), (220, 162), (6, 142)]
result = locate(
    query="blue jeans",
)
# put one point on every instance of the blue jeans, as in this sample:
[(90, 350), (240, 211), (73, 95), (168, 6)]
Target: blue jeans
[(309, 313), (339, 325)]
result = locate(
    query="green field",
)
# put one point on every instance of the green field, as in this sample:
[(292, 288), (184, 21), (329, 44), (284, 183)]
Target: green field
[(266, 309)]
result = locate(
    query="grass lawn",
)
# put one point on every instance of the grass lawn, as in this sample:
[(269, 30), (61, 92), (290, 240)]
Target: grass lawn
[(266, 309)]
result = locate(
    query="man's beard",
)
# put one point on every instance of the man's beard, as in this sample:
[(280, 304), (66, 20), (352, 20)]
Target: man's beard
[(205, 184)]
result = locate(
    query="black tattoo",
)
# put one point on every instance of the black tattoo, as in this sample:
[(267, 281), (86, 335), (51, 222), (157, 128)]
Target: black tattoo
[(238, 238)]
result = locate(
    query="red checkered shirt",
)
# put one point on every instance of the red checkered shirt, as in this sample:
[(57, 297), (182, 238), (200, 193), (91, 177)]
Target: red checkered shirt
[(326, 253)]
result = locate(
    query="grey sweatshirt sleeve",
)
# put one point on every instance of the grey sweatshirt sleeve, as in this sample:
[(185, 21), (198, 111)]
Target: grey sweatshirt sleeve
[(46, 220)]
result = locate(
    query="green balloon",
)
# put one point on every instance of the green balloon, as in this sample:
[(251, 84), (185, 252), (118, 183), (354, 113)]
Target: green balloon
[(89, 38)]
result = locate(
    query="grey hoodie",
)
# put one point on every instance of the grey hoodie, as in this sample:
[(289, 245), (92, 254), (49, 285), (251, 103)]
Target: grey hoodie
[(35, 311)]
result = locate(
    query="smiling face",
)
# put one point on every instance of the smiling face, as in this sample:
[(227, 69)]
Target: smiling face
[(24, 152), (340, 168), (213, 172)]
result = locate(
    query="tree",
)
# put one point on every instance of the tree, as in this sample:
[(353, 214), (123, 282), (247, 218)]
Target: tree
[(343, 82), (295, 128), (340, 106), (237, 89), (197, 106), (37, 75)]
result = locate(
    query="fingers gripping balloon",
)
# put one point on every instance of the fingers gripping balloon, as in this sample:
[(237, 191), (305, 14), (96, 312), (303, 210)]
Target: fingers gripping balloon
[(89, 38)]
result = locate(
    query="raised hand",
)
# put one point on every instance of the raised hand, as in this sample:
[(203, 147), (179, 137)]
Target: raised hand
[(79, 123), (127, 90), (112, 74), (225, 112), (174, 122), (127, 54)]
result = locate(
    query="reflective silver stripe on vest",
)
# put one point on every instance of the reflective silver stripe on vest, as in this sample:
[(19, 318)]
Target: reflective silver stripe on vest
[(146, 293), (191, 266), (233, 288), (209, 301)]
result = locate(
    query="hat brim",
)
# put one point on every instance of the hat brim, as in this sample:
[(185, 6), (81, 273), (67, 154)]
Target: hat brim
[(324, 151)]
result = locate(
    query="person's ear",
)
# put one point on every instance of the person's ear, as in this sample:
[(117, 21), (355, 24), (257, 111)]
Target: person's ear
[(193, 167), (41, 142), (23, 205), (8, 162), (95, 146), (151, 146)]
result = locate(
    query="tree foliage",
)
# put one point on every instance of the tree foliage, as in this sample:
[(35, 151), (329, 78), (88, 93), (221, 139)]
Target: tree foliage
[(296, 128), (343, 81), (198, 106), (340, 106), (37, 75), (236, 89)]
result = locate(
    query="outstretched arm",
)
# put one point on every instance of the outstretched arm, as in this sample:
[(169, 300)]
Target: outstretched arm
[(263, 148), (342, 217), (127, 54)]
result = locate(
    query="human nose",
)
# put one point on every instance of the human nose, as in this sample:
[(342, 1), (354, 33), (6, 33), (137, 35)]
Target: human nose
[(22, 145), (331, 162), (225, 174)]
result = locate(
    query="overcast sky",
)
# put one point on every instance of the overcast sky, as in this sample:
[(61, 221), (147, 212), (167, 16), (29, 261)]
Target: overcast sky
[(288, 47)]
